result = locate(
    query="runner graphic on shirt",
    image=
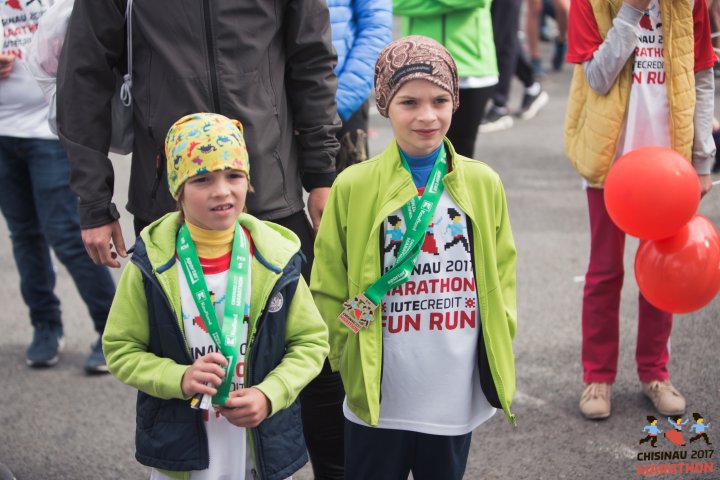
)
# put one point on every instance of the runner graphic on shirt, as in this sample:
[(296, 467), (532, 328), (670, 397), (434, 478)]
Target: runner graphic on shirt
[(430, 244), (395, 233), (457, 230), (645, 22)]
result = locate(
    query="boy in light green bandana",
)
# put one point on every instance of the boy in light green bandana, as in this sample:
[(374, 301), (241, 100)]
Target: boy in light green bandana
[(212, 322)]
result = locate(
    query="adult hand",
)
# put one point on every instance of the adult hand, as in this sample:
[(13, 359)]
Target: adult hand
[(98, 244), (639, 4), (316, 205), (705, 184), (7, 60), (204, 375), (246, 407)]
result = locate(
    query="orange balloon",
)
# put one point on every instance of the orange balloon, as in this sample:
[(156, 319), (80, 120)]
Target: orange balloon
[(651, 192), (681, 274)]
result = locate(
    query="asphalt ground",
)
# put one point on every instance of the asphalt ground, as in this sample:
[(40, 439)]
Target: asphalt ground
[(58, 423)]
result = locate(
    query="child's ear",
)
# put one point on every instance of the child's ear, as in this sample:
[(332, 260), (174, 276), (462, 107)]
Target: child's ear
[(179, 204)]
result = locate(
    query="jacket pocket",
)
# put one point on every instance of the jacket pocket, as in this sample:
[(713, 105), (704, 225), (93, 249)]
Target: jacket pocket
[(148, 408)]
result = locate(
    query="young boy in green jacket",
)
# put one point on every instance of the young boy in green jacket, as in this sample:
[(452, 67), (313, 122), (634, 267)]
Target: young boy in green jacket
[(213, 323), (421, 334)]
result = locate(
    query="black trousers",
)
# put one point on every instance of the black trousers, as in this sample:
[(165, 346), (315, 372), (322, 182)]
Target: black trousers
[(466, 119), (510, 57), (300, 224), (385, 454), (321, 401), (139, 224)]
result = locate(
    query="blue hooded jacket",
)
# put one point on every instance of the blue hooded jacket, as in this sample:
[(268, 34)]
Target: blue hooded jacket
[(360, 30)]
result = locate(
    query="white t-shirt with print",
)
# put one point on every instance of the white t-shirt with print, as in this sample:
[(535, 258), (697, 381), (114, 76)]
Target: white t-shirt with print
[(230, 459), (23, 108), (648, 115), (430, 379)]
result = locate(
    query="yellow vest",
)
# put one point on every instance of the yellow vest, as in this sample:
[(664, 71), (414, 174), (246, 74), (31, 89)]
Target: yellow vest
[(594, 122)]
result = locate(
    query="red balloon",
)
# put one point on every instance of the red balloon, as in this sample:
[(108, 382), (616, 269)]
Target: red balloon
[(681, 274), (651, 192)]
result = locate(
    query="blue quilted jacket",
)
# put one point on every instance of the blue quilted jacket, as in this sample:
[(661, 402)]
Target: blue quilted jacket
[(360, 29)]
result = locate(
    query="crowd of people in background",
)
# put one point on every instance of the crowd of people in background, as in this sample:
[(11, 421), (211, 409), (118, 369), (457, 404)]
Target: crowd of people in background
[(267, 104)]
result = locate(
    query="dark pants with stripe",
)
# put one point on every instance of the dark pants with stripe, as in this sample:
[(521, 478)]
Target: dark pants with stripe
[(385, 454)]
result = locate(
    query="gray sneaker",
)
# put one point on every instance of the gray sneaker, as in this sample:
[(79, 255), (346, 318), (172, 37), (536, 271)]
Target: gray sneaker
[(531, 104), (496, 119), (46, 344), (95, 363)]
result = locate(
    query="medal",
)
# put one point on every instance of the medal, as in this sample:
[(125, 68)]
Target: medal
[(359, 311), (225, 336)]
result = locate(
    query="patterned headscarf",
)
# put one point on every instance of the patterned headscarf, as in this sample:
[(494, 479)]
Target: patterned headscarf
[(409, 58), (201, 143)]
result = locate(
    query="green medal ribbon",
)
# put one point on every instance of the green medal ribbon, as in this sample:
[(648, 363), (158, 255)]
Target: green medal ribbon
[(227, 337), (418, 214)]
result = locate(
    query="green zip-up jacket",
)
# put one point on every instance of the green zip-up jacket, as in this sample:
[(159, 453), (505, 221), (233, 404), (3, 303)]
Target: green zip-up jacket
[(464, 27), (347, 262), (129, 344)]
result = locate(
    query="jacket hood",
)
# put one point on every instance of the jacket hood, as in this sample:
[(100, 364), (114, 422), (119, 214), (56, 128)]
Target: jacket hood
[(275, 244)]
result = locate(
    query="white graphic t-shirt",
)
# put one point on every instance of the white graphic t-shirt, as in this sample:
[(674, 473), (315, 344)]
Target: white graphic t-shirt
[(648, 116), (430, 380), (23, 108), (230, 458)]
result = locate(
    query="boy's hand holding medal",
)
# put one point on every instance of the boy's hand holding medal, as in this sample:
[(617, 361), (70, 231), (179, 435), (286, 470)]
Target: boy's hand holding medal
[(204, 375), (246, 407)]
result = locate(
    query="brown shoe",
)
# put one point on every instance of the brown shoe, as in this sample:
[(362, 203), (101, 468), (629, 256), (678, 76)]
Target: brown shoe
[(667, 400), (595, 401)]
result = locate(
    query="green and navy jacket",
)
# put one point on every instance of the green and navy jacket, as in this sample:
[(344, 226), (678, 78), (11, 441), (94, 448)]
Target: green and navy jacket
[(145, 347), (348, 261), (464, 27)]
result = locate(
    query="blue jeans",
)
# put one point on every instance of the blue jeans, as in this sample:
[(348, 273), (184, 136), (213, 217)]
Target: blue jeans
[(41, 212)]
